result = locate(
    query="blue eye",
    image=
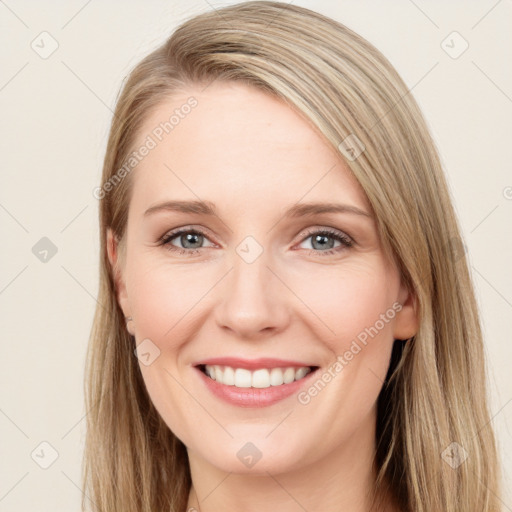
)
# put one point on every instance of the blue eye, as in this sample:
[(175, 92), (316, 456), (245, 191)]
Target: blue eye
[(186, 237), (320, 239), (191, 241)]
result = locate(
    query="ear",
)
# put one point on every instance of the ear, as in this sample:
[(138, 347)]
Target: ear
[(406, 320), (115, 263)]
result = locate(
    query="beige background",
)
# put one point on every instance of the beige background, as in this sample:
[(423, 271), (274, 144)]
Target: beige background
[(55, 118)]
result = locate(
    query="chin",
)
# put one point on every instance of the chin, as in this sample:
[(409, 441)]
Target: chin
[(258, 456)]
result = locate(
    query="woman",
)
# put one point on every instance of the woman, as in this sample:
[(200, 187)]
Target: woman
[(317, 346)]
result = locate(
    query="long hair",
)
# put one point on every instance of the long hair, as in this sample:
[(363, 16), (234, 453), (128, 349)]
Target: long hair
[(435, 448)]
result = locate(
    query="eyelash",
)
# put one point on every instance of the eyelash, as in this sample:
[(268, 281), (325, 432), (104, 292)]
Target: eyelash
[(338, 235)]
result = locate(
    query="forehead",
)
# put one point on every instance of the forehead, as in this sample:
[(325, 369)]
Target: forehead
[(237, 143)]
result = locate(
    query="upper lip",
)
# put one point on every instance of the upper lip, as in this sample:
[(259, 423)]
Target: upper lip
[(252, 364)]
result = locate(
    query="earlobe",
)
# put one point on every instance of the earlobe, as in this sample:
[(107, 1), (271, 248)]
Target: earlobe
[(113, 257), (406, 320)]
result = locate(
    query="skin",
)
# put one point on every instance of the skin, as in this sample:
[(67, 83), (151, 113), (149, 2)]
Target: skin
[(254, 157)]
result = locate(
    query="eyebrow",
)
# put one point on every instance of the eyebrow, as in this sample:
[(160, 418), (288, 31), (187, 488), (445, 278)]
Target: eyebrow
[(297, 210)]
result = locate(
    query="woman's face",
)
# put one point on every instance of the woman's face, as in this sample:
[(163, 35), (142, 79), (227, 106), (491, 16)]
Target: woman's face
[(267, 280)]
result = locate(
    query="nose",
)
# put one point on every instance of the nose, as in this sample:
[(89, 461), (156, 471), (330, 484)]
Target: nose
[(254, 302)]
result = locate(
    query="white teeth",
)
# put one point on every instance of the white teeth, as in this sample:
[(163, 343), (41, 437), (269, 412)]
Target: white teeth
[(289, 375), (228, 376), (262, 378), (301, 372), (242, 378), (276, 377)]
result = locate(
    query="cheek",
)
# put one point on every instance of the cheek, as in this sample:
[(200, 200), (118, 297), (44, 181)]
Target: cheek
[(355, 308), (164, 299), (350, 301)]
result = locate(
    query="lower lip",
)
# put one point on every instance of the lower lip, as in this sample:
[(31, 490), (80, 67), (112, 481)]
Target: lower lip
[(253, 397)]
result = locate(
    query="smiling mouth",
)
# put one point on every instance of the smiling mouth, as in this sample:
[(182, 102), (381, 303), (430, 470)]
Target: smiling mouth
[(260, 378)]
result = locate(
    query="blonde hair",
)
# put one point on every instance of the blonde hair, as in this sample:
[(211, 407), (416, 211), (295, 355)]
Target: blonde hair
[(435, 393)]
